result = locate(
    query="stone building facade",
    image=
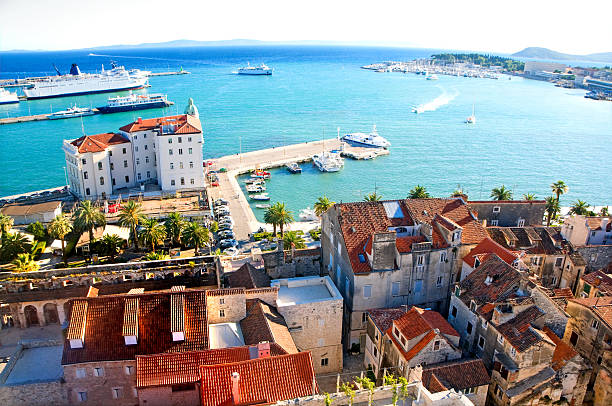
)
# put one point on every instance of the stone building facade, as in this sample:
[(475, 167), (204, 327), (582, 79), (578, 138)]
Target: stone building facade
[(292, 263), (510, 213)]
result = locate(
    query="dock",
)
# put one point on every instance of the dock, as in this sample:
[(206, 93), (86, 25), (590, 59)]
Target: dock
[(244, 219), (23, 119), (179, 72)]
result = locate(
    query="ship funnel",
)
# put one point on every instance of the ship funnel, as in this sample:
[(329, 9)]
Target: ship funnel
[(74, 69)]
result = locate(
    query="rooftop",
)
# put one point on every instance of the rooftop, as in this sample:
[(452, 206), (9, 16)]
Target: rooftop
[(532, 240), (602, 306), (519, 332), (563, 352), (224, 335), (309, 289), (29, 209), (98, 142), (383, 318), (458, 375), (36, 365), (417, 321), (181, 124), (488, 246), (600, 280), (248, 277), (264, 323)]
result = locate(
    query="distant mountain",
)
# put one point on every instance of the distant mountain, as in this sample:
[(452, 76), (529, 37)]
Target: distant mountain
[(184, 43), (545, 53)]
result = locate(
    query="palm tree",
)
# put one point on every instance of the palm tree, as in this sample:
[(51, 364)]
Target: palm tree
[(529, 196), (322, 205), (196, 235), (501, 193), (25, 263), (87, 217), (372, 197), (174, 227), (131, 216), (156, 256), (604, 211), (153, 233), (60, 227), (14, 244), (271, 218), (418, 192), (580, 207), (6, 223), (292, 238), (112, 244), (552, 208), (283, 215), (559, 188), (458, 192)]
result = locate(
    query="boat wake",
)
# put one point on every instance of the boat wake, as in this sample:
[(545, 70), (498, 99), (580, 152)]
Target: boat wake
[(436, 103)]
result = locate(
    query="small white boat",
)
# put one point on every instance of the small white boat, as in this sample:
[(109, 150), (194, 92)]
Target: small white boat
[(7, 97), (263, 206), (255, 188), (293, 167), (261, 196), (471, 119), (255, 181), (308, 214), (418, 110), (432, 77), (71, 112), (328, 161), (372, 140), (255, 70)]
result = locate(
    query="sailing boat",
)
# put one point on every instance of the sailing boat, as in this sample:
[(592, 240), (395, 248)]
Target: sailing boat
[(471, 119)]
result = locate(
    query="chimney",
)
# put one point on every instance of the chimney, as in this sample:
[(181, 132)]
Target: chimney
[(130, 321), (139, 121), (177, 316), (78, 321), (604, 223), (263, 349), (236, 388)]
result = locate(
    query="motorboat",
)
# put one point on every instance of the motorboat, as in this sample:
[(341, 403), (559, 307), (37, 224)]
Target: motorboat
[(471, 119), (258, 174), (308, 214), (71, 112), (7, 97), (255, 181), (261, 196), (418, 110), (328, 161), (372, 140), (263, 206), (432, 77), (255, 70), (293, 167), (255, 188)]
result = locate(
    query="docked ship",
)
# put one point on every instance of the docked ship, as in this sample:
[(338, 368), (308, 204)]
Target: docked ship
[(7, 97), (71, 112), (133, 102), (77, 83), (371, 140), (255, 70), (328, 161)]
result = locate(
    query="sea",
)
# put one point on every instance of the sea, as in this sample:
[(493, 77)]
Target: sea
[(528, 133)]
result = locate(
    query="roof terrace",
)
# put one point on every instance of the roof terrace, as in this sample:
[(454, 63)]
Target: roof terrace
[(309, 289)]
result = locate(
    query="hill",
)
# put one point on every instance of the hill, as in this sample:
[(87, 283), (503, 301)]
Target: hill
[(545, 53)]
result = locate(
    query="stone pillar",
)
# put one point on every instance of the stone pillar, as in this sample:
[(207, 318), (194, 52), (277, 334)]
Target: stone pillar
[(61, 315), (41, 314)]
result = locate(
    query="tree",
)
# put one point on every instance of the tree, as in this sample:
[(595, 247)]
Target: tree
[(37, 230), (131, 216), (196, 235), (559, 188), (292, 238), (6, 223), (13, 244), (322, 205), (25, 263), (174, 227), (270, 218), (213, 227), (501, 193), (604, 211), (372, 197), (153, 233), (348, 390), (112, 244), (529, 196), (87, 217), (458, 192), (59, 228), (552, 209), (283, 216), (418, 192), (580, 207)]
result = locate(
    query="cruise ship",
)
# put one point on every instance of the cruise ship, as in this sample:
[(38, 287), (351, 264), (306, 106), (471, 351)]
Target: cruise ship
[(76, 83), (372, 140), (133, 102), (255, 70), (7, 97)]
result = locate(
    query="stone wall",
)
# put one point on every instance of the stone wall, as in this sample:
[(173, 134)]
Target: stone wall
[(596, 256), (292, 263), (35, 394), (555, 318), (231, 301), (267, 295), (166, 396), (602, 389), (99, 389), (510, 212)]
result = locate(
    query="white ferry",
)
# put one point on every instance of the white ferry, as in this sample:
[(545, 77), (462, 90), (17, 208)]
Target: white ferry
[(71, 112), (328, 161), (7, 97), (135, 102), (76, 83), (255, 70), (371, 140)]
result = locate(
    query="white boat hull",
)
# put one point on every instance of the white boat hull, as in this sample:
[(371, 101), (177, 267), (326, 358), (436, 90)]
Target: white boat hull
[(83, 84)]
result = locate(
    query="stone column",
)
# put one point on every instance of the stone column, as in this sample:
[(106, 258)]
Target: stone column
[(61, 315)]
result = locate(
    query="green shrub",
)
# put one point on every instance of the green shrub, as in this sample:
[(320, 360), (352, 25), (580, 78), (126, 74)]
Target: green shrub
[(38, 231), (261, 236), (315, 234)]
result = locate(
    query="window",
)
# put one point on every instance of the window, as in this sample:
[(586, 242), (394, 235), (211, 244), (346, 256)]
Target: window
[(169, 140), (498, 391), (125, 164), (436, 345), (135, 137), (586, 288), (170, 152), (117, 392), (192, 181), (101, 180), (82, 396), (112, 166), (181, 387), (396, 332), (84, 161), (190, 150), (500, 339), (443, 256), (469, 328), (180, 151), (559, 261), (148, 174), (535, 261), (521, 223), (87, 191), (146, 160), (395, 288), (135, 392), (182, 181), (375, 352), (98, 371), (494, 222), (127, 179), (403, 341), (593, 233), (180, 165), (454, 311), (171, 165), (574, 338), (513, 351), (222, 301), (146, 147), (496, 209), (481, 342), (139, 176), (594, 324), (124, 150), (137, 161), (129, 369), (321, 342), (188, 139), (85, 175), (172, 182), (221, 313), (136, 149), (324, 362), (99, 166), (473, 306), (420, 260), (367, 291), (80, 373), (439, 282), (191, 165), (180, 139)]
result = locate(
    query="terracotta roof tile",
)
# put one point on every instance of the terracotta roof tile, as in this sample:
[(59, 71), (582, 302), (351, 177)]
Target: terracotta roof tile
[(184, 367), (383, 318), (248, 277), (417, 321), (602, 306), (519, 332), (262, 381), (416, 349), (458, 375), (264, 323), (487, 246), (594, 223), (600, 280), (532, 240), (404, 244), (98, 142), (184, 124), (563, 352)]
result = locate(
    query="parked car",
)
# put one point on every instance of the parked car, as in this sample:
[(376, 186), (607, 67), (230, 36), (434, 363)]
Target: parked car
[(232, 251), (227, 243), (226, 234), (220, 202), (226, 220), (222, 212)]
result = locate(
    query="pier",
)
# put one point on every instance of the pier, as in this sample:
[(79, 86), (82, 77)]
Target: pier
[(23, 119), (179, 72), (237, 164)]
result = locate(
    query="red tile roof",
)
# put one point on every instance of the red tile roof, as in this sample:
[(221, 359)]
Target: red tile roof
[(417, 321), (98, 142), (487, 246), (185, 124), (383, 318), (404, 244), (458, 375), (103, 339), (248, 277), (519, 332), (184, 367), (601, 281), (417, 348), (508, 201), (594, 223), (601, 306), (264, 323), (563, 352), (262, 381)]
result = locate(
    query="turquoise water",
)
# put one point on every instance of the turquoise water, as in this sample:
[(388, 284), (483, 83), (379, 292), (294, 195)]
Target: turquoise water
[(528, 134)]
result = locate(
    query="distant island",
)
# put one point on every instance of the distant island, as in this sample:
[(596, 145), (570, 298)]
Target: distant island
[(507, 64), (545, 53)]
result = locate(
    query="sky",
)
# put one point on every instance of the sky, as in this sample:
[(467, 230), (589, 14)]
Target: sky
[(479, 25)]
